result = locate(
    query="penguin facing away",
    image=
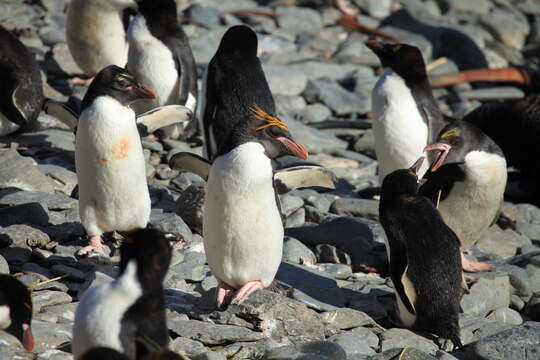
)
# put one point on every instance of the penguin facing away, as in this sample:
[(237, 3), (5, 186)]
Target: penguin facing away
[(16, 310), (21, 93), (128, 314), (242, 224), (406, 116), (113, 192), (470, 172), (96, 33), (233, 82), (424, 257), (160, 57)]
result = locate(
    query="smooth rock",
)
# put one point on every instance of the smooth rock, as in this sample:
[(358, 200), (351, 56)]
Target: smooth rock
[(21, 172), (506, 315), (337, 271), (42, 299), (284, 81), (345, 319), (186, 346), (316, 350), (398, 338), (296, 252), (298, 20), (356, 207), (23, 235), (341, 101), (354, 344), (211, 334), (171, 223), (487, 295), (316, 141), (14, 196)]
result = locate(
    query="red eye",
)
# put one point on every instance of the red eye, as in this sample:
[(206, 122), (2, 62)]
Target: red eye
[(455, 141)]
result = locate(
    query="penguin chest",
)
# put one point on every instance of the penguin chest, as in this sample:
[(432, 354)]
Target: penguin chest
[(400, 131), (113, 192), (472, 204), (153, 64), (243, 231)]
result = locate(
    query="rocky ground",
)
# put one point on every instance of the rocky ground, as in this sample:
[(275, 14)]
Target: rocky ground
[(323, 302)]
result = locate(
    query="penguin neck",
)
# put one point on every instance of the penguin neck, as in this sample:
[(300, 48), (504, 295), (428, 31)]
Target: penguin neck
[(484, 168), (107, 107), (154, 25), (247, 161)]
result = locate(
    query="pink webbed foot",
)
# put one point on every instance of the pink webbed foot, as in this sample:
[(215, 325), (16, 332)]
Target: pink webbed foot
[(223, 291), (474, 266), (246, 290), (95, 245)]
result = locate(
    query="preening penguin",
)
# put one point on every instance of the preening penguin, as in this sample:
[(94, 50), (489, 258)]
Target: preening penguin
[(16, 310), (160, 57), (405, 114), (127, 314), (470, 172), (234, 80), (424, 257), (113, 192), (21, 93), (242, 224), (96, 33)]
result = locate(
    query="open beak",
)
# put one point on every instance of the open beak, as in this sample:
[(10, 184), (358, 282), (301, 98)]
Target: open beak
[(374, 45), (27, 338), (417, 165), (443, 153), (143, 92), (296, 149)]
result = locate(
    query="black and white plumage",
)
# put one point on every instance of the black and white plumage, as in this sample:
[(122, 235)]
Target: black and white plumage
[(405, 114), (16, 310), (424, 257), (470, 174), (233, 82), (21, 93), (160, 56), (96, 33), (113, 192), (128, 314)]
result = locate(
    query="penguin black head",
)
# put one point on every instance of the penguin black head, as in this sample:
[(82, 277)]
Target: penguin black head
[(267, 130), (16, 310), (456, 141), (152, 252), (402, 181), (161, 16), (117, 83), (406, 60), (102, 353), (238, 40)]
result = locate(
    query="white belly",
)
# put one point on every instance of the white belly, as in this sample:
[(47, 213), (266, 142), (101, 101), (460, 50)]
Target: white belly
[(472, 205), (243, 232), (400, 132), (113, 192), (95, 36)]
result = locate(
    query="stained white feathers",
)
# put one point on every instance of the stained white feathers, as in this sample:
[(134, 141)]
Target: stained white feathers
[(399, 130), (113, 192), (100, 311), (243, 231)]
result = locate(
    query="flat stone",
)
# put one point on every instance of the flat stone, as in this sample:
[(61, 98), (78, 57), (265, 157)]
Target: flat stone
[(297, 218), (21, 172), (346, 318), (354, 343), (42, 299), (171, 223), (337, 271), (510, 27), (211, 334), (297, 253), (49, 336), (314, 113), (356, 207), (52, 201), (51, 139), (290, 203), (69, 272), (404, 353), (316, 350), (189, 271), (12, 352), (316, 141), (338, 99), (284, 81), (399, 338), (487, 295), (506, 315), (480, 7), (186, 346), (298, 20), (23, 235), (64, 180)]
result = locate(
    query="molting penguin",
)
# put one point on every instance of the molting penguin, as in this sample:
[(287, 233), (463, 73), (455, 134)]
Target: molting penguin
[(95, 33), (16, 310), (21, 93), (113, 193), (242, 224), (405, 115), (234, 80), (127, 314), (470, 175), (424, 257), (160, 57)]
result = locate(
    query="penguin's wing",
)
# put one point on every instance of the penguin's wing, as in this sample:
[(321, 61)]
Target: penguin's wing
[(207, 111), (189, 162), (288, 179), (159, 117), (62, 112)]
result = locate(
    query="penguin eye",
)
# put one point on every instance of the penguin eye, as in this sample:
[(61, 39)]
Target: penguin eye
[(455, 141), (274, 131)]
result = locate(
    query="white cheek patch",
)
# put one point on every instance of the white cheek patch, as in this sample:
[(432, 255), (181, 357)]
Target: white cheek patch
[(191, 102), (5, 319)]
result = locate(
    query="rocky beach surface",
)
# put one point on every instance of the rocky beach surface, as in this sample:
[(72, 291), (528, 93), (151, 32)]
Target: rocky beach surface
[(323, 304)]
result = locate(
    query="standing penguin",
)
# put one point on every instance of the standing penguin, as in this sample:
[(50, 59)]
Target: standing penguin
[(470, 174), (242, 224), (16, 310), (113, 192), (21, 93), (405, 114), (96, 33), (234, 80), (128, 313), (424, 257), (160, 56)]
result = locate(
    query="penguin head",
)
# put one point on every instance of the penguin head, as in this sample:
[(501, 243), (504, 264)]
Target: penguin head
[(151, 250), (456, 140), (239, 40), (117, 83), (102, 353), (402, 181), (267, 130), (406, 60), (16, 310), (161, 16)]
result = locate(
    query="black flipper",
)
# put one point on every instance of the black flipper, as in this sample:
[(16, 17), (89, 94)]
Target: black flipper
[(189, 162)]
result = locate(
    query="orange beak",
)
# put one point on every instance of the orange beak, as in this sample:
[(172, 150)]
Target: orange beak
[(296, 149)]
